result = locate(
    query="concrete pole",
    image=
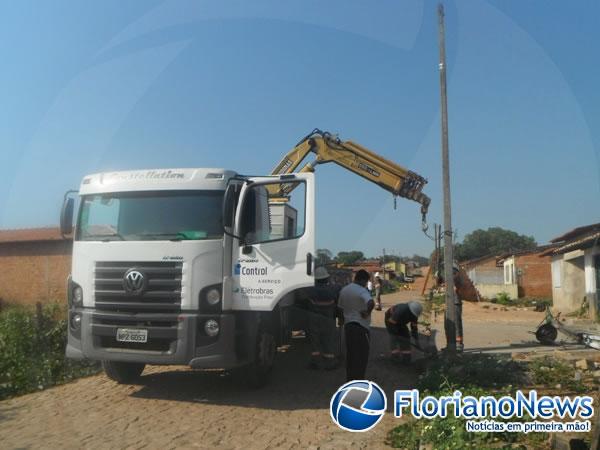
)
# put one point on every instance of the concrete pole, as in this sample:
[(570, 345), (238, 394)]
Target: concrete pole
[(450, 319)]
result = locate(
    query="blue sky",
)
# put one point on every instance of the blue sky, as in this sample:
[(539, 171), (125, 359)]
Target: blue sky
[(95, 86)]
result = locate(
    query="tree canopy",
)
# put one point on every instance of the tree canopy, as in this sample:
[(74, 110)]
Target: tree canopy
[(493, 241), (390, 258), (323, 257), (350, 257)]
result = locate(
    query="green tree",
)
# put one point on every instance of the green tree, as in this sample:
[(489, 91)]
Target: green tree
[(390, 258), (323, 257), (349, 258), (493, 241), (420, 260)]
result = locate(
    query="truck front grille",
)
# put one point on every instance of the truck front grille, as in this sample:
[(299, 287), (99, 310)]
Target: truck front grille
[(161, 291)]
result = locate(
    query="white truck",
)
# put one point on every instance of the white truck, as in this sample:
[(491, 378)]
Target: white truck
[(194, 267)]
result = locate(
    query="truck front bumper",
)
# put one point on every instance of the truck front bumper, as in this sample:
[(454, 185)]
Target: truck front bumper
[(172, 338)]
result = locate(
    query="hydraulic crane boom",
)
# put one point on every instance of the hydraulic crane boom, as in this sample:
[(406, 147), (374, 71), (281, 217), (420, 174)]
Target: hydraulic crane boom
[(356, 158)]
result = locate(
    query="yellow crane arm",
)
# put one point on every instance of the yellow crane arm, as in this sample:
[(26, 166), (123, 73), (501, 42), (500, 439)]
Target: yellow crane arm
[(356, 158)]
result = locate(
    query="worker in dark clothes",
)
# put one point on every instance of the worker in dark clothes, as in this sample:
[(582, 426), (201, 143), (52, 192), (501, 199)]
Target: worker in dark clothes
[(356, 305), (378, 289), (322, 307), (397, 320)]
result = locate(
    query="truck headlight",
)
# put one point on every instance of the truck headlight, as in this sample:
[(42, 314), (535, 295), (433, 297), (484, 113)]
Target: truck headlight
[(211, 327), (213, 297), (76, 321), (77, 296)]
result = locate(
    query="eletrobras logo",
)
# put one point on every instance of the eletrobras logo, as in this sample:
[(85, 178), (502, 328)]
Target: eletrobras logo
[(358, 405)]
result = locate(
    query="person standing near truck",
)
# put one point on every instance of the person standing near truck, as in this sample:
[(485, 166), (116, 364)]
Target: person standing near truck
[(356, 305), (322, 306), (397, 320), (378, 289)]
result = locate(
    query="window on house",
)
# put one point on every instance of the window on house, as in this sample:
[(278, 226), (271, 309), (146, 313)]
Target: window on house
[(508, 274), (556, 273)]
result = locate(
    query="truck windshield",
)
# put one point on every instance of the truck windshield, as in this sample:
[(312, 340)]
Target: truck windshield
[(155, 215)]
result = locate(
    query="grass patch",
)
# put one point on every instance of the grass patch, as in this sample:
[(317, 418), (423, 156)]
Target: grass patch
[(439, 299), (390, 286), (540, 304), (503, 299), (472, 371), (583, 311), (550, 372), (32, 350), (450, 433), (476, 375), (435, 303)]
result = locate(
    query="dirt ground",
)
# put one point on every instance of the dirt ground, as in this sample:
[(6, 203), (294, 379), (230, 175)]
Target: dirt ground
[(174, 407)]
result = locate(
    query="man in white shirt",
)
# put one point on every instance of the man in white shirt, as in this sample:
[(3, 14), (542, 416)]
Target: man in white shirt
[(356, 303)]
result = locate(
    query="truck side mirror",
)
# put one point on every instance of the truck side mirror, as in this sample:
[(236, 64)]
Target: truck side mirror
[(66, 216)]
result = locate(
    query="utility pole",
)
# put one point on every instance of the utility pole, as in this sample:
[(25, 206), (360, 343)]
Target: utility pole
[(451, 310)]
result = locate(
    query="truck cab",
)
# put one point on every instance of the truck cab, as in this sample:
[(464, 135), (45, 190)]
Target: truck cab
[(195, 267)]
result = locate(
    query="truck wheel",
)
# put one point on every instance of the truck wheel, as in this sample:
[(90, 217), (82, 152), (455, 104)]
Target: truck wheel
[(123, 372), (260, 369)]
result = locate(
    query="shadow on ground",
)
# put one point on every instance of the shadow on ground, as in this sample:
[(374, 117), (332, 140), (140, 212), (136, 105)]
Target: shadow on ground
[(7, 412), (293, 386)]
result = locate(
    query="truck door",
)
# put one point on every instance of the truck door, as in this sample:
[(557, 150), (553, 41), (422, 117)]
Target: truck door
[(274, 240)]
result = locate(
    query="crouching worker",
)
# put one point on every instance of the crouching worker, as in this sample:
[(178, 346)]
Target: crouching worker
[(397, 320), (322, 309)]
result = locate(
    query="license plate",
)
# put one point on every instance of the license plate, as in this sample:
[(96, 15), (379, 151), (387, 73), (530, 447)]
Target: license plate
[(132, 335)]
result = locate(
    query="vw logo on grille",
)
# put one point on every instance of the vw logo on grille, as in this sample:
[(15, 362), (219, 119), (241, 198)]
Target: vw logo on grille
[(134, 281)]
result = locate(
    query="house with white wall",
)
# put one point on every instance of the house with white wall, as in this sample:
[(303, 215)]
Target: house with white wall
[(576, 270), (487, 275), (524, 273)]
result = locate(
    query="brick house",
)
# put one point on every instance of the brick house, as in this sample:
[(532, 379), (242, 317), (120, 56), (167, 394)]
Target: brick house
[(487, 276), (34, 265), (518, 274), (529, 271), (576, 269)]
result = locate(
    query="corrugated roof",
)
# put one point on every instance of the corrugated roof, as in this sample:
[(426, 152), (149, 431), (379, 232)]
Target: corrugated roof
[(575, 232), (584, 242), (30, 235), (542, 250)]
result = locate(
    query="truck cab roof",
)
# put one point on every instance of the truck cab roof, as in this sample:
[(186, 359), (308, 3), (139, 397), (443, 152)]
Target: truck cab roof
[(155, 180)]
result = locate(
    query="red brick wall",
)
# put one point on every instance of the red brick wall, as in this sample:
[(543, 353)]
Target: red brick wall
[(536, 276), (33, 272)]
